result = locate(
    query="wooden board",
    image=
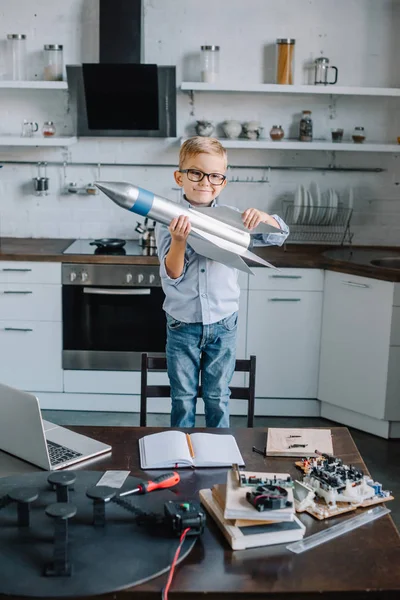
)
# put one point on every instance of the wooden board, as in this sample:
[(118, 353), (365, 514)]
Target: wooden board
[(280, 442), (241, 538)]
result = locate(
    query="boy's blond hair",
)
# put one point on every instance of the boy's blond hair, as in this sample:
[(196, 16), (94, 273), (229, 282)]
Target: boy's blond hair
[(201, 145)]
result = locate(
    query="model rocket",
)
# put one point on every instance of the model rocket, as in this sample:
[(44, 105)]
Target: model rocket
[(217, 233)]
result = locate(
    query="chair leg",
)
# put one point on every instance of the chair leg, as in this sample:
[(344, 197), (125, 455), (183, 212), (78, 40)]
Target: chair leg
[(252, 391), (143, 391)]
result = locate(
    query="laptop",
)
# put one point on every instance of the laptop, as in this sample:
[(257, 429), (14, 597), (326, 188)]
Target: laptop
[(23, 433)]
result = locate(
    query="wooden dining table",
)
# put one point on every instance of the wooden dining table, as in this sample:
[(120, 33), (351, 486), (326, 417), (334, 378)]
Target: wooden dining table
[(361, 564)]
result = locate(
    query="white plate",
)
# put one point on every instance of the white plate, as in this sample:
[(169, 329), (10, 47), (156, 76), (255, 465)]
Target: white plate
[(316, 198), (297, 205), (327, 202), (335, 202), (311, 207), (304, 205)]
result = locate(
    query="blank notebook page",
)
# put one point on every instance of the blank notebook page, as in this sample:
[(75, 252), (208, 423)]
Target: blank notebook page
[(166, 447), (211, 448)]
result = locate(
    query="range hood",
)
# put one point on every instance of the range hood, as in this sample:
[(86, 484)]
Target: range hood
[(120, 96)]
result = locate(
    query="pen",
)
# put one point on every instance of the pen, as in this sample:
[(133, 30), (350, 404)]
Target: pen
[(189, 443)]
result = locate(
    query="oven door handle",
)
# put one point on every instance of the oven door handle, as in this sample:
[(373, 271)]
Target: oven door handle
[(117, 291)]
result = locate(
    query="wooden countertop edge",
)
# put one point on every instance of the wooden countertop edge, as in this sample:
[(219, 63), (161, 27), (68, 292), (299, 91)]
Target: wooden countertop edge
[(297, 256)]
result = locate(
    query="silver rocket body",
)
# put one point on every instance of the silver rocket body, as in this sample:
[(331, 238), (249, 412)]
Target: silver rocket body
[(217, 233)]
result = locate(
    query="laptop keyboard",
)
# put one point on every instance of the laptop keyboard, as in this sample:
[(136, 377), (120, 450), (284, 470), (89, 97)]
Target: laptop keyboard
[(59, 454)]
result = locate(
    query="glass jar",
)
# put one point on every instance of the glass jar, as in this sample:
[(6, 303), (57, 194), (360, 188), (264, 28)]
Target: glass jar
[(16, 54), (209, 63), (53, 62), (48, 129), (285, 61), (306, 127), (358, 135), (276, 133)]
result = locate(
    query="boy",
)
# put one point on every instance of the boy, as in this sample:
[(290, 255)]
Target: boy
[(202, 295)]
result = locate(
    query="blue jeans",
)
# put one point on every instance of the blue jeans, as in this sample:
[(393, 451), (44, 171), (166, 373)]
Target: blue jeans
[(210, 349)]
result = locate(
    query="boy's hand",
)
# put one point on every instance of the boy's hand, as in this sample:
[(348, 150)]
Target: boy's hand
[(179, 228), (253, 217)]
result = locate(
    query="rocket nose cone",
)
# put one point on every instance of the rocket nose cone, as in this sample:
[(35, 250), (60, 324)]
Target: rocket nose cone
[(123, 194)]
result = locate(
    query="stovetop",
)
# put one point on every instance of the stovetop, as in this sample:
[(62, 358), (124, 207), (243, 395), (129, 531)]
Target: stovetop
[(131, 248)]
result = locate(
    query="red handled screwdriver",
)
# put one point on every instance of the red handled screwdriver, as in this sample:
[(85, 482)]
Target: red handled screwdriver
[(159, 483)]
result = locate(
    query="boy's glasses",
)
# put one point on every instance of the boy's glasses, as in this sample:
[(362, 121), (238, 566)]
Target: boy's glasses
[(196, 175)]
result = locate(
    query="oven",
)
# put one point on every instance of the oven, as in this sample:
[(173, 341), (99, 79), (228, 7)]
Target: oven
[(111, 314)]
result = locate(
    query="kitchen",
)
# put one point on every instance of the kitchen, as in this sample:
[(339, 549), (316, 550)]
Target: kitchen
[(360, 40)]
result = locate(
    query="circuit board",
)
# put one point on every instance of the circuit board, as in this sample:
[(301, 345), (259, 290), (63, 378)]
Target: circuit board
[(330, 488)]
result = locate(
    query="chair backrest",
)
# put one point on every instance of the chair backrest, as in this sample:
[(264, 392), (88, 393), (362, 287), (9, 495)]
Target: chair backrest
[(159, 363)]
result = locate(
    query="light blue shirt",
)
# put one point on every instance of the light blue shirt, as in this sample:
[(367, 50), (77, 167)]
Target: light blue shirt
[(206, 291)]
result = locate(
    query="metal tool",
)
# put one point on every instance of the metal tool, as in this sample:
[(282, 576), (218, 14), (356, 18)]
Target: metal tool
[(159, 483), (337, 530)]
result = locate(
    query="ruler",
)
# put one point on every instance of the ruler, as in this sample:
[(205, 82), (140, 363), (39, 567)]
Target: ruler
[(336, 530)]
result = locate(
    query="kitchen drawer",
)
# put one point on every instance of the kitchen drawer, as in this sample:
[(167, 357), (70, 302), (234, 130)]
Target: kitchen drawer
[(311, 280), (30, 301), (29, 272), (31, 355)]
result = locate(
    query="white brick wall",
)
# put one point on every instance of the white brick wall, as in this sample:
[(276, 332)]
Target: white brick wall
[(359, 36)]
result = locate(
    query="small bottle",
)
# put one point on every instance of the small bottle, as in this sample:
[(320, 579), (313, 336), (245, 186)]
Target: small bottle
[(209, 63), (53, 62), (358, 135), (48, 129), (306, 127), (276, 133)]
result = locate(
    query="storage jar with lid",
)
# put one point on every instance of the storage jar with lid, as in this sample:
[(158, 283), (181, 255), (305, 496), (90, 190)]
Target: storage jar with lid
[(209, 63), (53, 62), (48, 129), (16, 56), (306, 127), (285, 61), (276, 133), (358, 135)]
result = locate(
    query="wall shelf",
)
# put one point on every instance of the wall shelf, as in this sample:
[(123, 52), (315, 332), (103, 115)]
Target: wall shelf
[(315, 145), (13, 140), (272, 88), (34, 85)]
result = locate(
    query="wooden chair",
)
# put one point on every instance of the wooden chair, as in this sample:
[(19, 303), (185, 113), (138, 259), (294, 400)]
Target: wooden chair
[(159, 363)]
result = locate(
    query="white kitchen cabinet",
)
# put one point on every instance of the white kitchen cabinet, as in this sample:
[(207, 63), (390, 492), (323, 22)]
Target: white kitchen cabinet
[(30, 325), (283, 330), (359, 368)]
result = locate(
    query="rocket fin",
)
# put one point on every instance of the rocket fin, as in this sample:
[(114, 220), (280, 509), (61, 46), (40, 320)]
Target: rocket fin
[(213, 247), (203, 246), (233, 217)]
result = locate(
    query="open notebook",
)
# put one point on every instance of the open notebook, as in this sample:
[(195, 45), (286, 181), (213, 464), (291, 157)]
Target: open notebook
[(173, 449)]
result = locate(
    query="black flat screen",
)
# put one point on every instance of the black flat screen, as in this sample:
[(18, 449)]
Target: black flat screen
[(121, 96)]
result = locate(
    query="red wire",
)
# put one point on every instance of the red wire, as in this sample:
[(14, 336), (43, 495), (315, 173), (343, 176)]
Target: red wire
[(173, 565)]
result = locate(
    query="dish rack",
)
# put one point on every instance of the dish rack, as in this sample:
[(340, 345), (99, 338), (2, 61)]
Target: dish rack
[(326, 225)]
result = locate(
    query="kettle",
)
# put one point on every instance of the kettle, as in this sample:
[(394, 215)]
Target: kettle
[(149, 237)]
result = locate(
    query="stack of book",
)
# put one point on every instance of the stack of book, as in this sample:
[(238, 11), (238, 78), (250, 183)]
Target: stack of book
[(243, 525)]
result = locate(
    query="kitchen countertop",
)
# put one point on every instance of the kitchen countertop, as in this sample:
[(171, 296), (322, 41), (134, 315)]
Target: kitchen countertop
[(355, 261)]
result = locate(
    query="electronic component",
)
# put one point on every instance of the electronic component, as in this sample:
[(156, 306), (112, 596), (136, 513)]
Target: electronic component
[(268, 497), (179, 516)]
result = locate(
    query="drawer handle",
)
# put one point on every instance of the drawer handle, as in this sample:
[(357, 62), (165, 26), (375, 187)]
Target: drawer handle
[(117, 292), (17, 292), (17, 329), (286, 276), (284, 299), (354, 284), (17, 270)]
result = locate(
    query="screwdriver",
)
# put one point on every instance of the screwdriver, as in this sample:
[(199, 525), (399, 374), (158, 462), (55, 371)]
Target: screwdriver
[(159, 483)]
